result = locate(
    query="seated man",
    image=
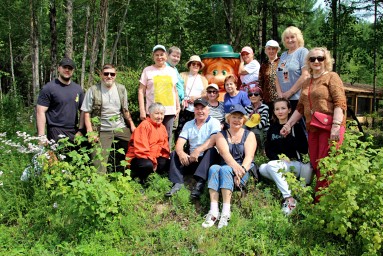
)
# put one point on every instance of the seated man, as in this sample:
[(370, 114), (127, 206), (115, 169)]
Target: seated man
[(200, 134)]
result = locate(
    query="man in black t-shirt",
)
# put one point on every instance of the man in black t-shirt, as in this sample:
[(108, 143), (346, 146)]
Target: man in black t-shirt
[(58, 105)]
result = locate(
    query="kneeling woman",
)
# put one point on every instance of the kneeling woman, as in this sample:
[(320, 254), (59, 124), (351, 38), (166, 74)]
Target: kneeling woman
[(148, 150), (236, 147), (293, 145)]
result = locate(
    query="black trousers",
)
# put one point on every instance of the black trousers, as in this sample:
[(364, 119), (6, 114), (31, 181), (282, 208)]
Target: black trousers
[(141, 167), (200, 169)]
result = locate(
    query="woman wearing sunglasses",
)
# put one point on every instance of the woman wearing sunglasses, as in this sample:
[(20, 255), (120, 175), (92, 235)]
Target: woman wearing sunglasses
[(194, 87), (216, 107), (259, 117), (323, 92), (291, 70)]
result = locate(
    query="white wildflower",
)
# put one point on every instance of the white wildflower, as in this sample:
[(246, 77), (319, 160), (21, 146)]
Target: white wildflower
[(1, 183), (62, 157), (3, 134), (55, 205), (1, 173), (61, 136)]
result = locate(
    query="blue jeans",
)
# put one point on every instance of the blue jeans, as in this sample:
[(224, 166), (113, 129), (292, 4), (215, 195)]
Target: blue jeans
[(222, 177)]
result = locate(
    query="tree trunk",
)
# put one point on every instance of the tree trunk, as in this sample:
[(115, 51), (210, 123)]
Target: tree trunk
[(104, 39), (34, 51), (85, 50), (95, 42), (334, 9), (119, 34), (274, 21), (53, 30), (14, 89), (228, 8), (264, 28), (69, 29)]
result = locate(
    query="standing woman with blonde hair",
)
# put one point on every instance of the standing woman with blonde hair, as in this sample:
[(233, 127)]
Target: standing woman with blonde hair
[(291, 71), (323, 92)]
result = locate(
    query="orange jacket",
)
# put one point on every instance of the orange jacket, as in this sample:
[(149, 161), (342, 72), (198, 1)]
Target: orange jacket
[(149, 141)]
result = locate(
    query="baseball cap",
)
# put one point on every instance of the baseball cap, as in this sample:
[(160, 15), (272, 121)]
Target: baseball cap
[(237, 108), (272, 43), (213, 86), (67, 62), (247, 49), (254, 120), (201, 101), (159, 47)]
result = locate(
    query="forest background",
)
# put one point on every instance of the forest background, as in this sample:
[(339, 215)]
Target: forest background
[(36, 34), (67, 209)]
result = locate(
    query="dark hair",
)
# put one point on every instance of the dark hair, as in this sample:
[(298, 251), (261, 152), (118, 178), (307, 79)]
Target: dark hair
[(275, 118)]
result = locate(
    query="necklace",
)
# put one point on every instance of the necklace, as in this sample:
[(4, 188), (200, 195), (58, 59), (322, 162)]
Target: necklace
[(321, 74)]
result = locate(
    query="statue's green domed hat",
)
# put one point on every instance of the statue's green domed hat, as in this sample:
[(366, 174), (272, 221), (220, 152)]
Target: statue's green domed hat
[(220, 50)]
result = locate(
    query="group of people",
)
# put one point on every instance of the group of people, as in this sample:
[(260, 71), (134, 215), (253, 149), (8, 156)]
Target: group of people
[(214, 141)]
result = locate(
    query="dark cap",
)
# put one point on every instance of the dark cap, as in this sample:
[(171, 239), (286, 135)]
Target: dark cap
[(201, 101), (237, 108), (67, 62)]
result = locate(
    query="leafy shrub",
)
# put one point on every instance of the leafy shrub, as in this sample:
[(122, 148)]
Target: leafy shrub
[(352, 205)]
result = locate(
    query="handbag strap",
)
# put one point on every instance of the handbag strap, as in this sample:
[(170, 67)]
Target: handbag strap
[(191, 88), (311, 108)]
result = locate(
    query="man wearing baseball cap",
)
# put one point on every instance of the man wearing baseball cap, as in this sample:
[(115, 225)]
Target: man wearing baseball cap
[(199, 133), (248, 69), (58, 105)]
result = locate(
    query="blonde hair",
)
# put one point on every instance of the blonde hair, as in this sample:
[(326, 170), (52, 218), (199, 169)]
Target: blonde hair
[(328, 62), (228, 116), (293, 31)]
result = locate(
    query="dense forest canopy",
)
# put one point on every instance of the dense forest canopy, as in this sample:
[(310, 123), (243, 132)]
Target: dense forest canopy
[(36, 34)]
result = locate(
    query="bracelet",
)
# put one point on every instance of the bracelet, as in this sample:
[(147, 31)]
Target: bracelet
[(336, 122), (243, 167)]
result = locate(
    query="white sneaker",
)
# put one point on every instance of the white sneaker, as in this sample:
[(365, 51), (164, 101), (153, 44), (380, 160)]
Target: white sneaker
[(288, 207), (210, 219), (223, 221)]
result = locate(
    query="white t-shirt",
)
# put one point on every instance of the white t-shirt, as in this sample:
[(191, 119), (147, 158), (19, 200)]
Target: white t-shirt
[(195, 88), (160, 87), (253, 69)]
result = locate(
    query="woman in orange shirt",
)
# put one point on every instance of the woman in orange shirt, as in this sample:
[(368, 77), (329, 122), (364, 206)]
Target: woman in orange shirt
[(148, 150)]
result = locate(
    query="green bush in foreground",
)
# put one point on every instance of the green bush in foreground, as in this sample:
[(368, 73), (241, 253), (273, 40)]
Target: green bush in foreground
[(68, 209)]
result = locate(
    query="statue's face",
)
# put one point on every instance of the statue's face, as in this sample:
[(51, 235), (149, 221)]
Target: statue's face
[(216, 72)]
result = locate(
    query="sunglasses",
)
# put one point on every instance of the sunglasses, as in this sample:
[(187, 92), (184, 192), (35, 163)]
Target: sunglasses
[(212, 92), (253, 94), (319, 58), (195, 64), (109, 73)]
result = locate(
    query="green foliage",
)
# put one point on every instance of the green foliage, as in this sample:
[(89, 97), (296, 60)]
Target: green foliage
[(352, 205)]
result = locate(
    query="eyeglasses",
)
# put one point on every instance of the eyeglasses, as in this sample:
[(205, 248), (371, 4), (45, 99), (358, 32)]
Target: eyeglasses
[(253, 94), (195, 64), (212, 92), (109, 73), (319, 58)]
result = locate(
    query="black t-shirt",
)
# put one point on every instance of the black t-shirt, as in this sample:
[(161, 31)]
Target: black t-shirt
[(63, 102), (276, 144)]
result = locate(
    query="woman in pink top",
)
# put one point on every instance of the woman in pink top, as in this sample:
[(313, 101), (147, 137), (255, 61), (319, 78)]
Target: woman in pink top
[(158, 84)]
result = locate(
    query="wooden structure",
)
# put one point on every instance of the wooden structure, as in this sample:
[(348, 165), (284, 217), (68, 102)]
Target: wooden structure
[(360, 98)]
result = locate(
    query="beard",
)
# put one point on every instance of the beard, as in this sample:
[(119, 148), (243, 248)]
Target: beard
[(109, 83)]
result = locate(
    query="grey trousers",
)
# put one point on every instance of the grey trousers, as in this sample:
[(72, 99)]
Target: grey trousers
[(119, 139)]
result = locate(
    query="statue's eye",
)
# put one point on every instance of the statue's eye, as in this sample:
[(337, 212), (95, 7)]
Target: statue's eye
[(224, 72), (215, 72)]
